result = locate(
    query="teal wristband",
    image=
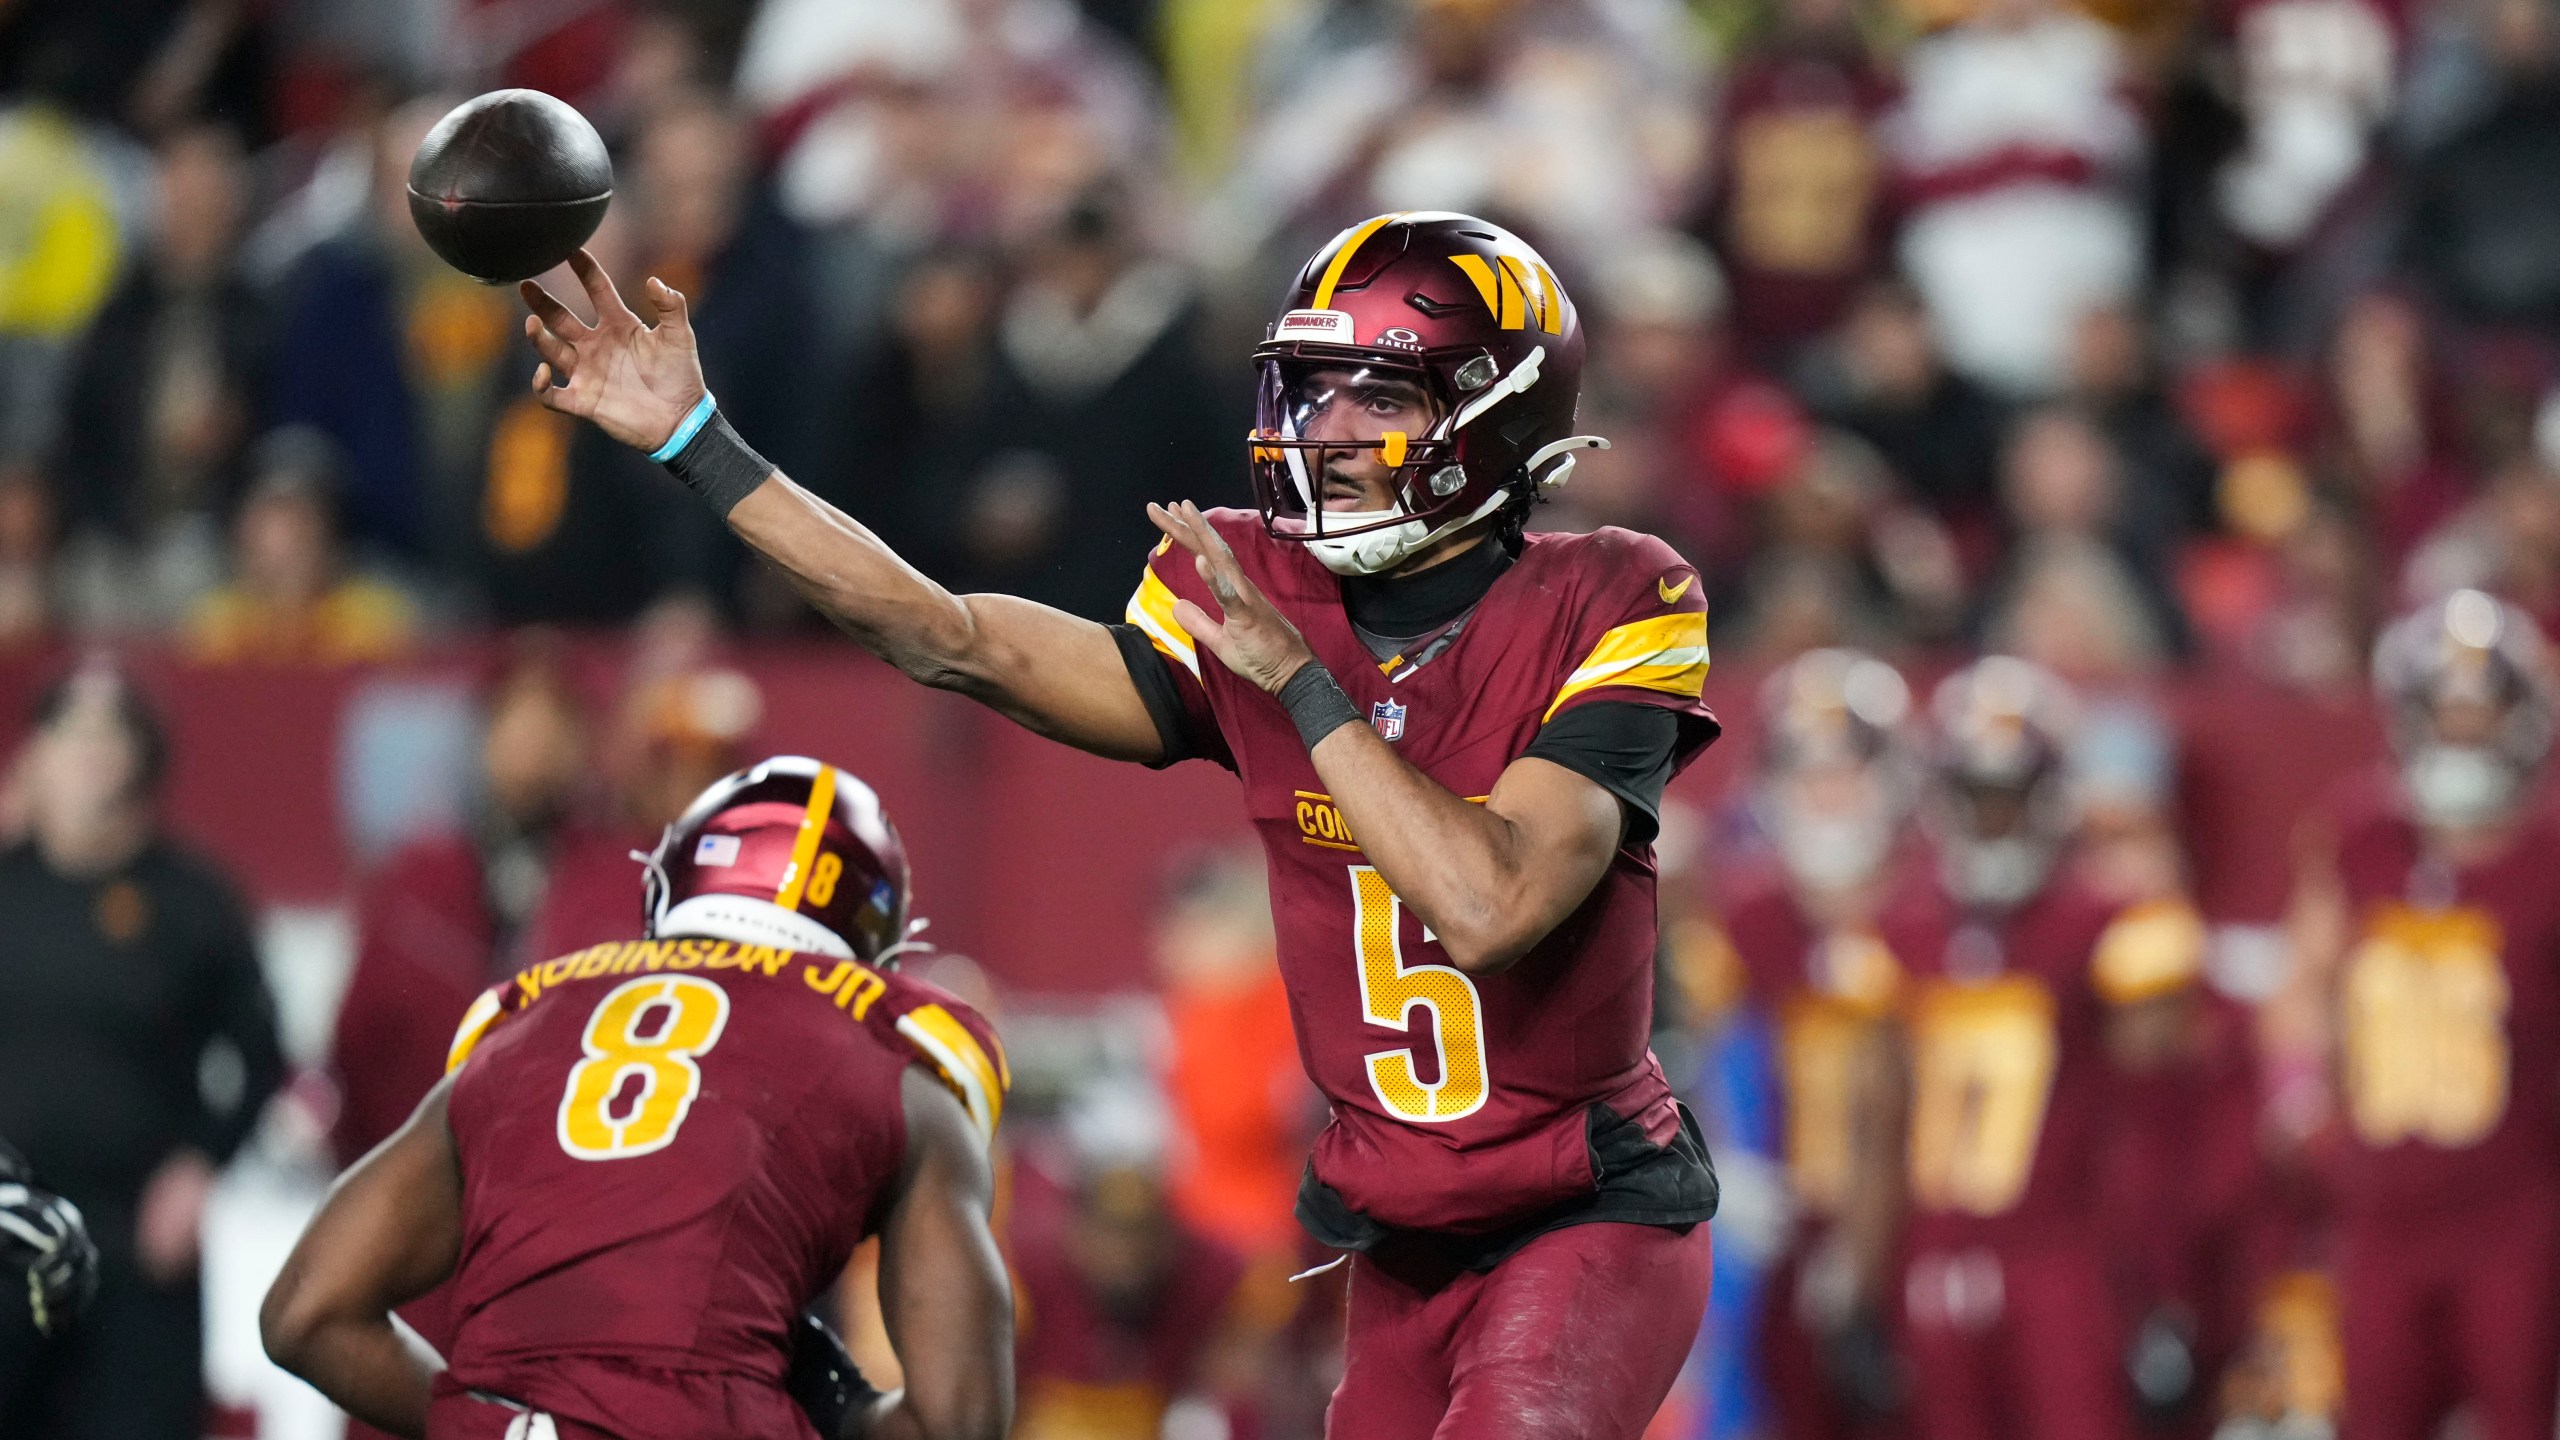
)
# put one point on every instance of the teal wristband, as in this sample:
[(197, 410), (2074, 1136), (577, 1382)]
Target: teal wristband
[(686, 429)]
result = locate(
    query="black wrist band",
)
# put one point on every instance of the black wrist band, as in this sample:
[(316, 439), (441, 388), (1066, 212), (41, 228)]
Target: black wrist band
[(718, 466), (1316, 704)]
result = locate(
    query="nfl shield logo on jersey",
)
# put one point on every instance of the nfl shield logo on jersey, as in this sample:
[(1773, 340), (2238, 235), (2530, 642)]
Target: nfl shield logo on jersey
[(1388, 716)]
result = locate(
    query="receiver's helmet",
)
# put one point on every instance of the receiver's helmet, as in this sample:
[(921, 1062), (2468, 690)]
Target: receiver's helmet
[(1457, 306), (1835, 771), (791, 852), (2469, 691), (2004, 814)]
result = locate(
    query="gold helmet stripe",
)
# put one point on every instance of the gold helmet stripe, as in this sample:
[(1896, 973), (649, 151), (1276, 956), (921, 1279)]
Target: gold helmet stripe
[(1342, 258), (804, 850)]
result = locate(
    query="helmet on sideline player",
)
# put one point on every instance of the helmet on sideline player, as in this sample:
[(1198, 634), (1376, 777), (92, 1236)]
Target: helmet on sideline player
[(1465, 310), (791, 852), (2468, 686), (2001, 763), (1835, 781)]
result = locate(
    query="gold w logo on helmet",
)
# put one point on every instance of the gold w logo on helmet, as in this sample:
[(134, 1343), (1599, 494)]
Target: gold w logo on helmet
[(1516, 290)]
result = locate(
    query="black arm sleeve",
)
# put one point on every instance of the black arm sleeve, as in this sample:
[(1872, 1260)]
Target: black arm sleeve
[(1174, 723), (1625, 748)]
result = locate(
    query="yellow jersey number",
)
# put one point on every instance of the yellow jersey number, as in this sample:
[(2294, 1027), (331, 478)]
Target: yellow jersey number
[(2425, 1005), (1982, 1072), (1389, 989), (654, 1027)]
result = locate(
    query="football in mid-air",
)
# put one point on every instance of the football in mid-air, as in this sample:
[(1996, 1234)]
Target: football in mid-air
[(508, 183)]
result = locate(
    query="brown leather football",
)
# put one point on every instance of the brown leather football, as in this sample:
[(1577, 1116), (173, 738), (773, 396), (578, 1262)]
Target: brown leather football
[(508, 183)]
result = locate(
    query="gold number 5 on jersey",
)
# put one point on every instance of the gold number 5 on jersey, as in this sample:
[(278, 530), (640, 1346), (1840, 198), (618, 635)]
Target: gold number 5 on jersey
[(1389, 989), (691, 1012)]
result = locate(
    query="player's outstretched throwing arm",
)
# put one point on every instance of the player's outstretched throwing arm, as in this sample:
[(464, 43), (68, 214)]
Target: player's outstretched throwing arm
[(1057, 674)]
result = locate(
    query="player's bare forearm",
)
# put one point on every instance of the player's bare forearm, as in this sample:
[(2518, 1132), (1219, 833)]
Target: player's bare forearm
[(944, 1294), (1056, 674), (1489, 879), (390, 1230)]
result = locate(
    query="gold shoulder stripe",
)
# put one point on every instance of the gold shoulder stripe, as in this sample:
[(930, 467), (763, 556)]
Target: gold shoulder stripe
[(1151, 610), (962, 1061), (484, 1012), (1342, 257), (1667, 653)]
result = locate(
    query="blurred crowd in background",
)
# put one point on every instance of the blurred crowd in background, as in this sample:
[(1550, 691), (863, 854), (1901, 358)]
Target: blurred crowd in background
[(2148, 340)]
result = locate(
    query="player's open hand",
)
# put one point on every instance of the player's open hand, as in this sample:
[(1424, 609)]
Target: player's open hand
[(1255, 640), (635, 380)]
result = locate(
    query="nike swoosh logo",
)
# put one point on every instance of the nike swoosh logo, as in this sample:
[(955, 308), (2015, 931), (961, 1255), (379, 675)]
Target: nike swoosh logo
[(1671, 593)]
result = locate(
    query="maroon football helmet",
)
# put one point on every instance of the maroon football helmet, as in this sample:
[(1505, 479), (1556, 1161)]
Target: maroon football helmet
[(1469, 325), (790, 852)]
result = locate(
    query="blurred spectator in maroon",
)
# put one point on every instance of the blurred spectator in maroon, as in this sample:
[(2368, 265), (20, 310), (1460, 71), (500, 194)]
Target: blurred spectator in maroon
[(2078, 591), (1127, 1311), (2015, 147), (293, 596), (1841, 558), (2389, 428), (1576, 121), (2484, 230), (1100, 400), (446, 916), (165, 391), (400, 359), (1891, 387), (572, 528), (2114, 379), (1798, 210), (1240, 1101)]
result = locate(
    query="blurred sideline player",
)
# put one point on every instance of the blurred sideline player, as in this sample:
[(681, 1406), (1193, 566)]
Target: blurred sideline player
[(1453, 738), (42, 1234), (2429, 929), (649, 1156), (2022, 982), (1834, 791)]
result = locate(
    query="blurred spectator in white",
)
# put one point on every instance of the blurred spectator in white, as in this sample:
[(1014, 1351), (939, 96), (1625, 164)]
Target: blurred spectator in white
[(293, 596), (137, 1051), (1574, 121), (2315, 81), (2484, 227), (2017, 150), (1888, 384), (165, 395), (1799, 207), (2079, 592)]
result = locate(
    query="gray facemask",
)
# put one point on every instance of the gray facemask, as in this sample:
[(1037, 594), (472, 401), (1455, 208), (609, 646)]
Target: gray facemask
[(2459, 785)]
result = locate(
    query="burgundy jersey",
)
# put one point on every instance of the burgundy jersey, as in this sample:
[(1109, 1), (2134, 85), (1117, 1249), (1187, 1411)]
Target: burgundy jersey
[(667, 1148), (1459, 1102), (2010, 1084), (2448, 1016), (1825, 994)]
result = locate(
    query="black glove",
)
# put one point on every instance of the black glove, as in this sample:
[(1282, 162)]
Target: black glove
[(823, 1381), (1864, 1373), (42, 1233)]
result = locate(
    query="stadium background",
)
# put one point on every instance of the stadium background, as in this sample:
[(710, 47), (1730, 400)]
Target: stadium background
[(2172, 343)]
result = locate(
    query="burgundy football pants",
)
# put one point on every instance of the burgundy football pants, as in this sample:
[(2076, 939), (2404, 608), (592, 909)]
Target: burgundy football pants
[(2462, 1309), (2016, 1339), (1576, 1337)]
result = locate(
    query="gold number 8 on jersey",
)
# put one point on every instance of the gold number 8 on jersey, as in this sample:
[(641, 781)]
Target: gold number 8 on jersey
[(692, 1012)]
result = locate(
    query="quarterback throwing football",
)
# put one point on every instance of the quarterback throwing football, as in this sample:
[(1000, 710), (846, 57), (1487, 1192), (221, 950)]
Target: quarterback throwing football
[(1453, 738)]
